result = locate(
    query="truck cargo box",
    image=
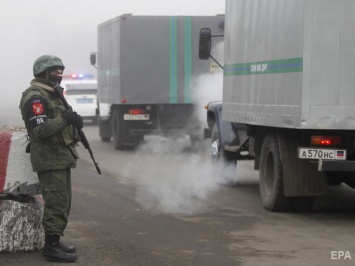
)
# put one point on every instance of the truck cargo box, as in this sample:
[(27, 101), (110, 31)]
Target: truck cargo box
[(151, 59), (291, 63)]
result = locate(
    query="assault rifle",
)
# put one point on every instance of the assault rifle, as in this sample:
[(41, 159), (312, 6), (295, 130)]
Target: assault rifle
[(83, 139)]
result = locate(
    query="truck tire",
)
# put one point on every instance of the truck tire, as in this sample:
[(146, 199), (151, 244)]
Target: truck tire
[(217, 153), (219, 156), (117, 136), (105, 130), (271, 176), (215, 148)]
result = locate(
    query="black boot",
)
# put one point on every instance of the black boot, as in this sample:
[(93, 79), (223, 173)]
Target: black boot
[(69, 249), (55, 238), (54, 250)]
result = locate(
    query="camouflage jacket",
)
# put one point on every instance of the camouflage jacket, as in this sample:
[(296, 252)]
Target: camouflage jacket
[(52, 144)]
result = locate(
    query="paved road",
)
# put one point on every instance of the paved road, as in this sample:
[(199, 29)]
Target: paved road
[(165, 205)]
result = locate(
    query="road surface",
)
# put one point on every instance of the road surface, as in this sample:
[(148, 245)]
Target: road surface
[(165, 205)]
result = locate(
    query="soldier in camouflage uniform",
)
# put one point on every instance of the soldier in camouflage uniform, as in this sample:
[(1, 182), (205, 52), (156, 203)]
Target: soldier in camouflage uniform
[(52, 149)]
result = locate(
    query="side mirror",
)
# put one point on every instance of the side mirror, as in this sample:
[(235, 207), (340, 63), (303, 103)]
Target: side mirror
[(93, 59), (204, 51)]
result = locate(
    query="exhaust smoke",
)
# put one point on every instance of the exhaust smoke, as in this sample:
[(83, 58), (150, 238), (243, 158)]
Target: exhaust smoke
[(183, 180)]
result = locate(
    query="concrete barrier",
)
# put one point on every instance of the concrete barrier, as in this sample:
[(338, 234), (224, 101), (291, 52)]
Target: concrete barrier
[(20, 223)]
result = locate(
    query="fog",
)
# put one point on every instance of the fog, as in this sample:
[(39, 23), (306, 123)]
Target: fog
[(67, 29)]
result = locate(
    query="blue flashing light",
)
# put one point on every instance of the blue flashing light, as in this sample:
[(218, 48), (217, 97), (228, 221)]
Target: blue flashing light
[(78, 76)]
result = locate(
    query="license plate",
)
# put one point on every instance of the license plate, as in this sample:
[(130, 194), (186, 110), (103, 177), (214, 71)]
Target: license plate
[(136, 117), (84, 100), (325, 154)]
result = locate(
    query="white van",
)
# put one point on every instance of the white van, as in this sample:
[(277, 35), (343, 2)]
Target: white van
[(81, 95)]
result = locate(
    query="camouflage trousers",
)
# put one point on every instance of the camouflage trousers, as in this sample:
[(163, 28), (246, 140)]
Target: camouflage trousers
[(56, 192)]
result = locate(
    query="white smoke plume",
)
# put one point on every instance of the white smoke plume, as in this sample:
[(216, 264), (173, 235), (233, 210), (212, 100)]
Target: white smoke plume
[(183, 180), (209, 87)]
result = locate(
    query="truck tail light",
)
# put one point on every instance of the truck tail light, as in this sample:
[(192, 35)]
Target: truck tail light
[(325, 140), (136, 111)]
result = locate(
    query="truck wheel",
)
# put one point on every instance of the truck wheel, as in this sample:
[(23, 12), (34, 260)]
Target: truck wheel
[(216, 152), (116, 131), (220, 156), (271, 176), (105, 130)]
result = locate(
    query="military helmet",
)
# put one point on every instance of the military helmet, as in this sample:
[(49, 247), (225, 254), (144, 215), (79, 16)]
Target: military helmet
[(46, 62)]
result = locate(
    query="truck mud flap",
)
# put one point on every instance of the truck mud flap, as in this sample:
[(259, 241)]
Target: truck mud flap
[(300, 177)]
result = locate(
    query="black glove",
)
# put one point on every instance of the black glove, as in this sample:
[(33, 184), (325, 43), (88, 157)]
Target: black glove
[(69, 116), (74, 119), (79, 121)]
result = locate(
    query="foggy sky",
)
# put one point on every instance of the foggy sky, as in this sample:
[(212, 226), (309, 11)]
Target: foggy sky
[(68, 29)]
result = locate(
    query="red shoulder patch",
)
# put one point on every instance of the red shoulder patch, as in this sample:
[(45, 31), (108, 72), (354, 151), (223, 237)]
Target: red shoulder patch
[(37, 108)]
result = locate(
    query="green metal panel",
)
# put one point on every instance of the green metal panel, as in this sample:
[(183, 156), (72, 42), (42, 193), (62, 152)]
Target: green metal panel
[(173, 61), (187, 58)]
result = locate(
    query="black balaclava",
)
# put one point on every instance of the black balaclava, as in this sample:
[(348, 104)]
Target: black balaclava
[(46, 75), (53, 78)]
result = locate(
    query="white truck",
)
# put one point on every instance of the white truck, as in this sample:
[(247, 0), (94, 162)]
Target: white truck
[(146, 65), (288, 96)]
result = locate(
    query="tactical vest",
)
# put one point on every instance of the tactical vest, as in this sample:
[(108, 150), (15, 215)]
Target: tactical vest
[(56, 151)]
